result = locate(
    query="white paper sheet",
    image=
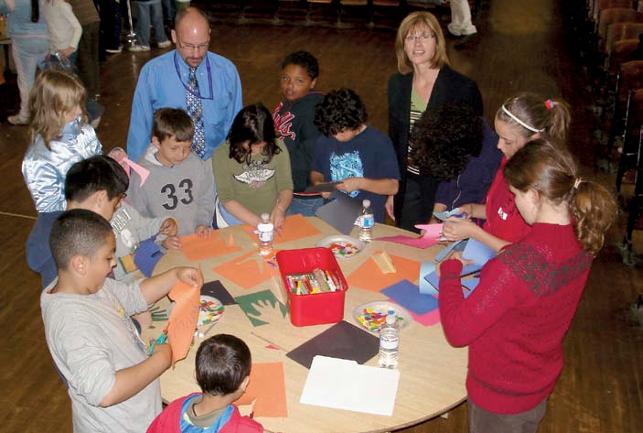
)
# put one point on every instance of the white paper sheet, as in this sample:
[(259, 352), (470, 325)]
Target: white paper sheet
[(343, 384)]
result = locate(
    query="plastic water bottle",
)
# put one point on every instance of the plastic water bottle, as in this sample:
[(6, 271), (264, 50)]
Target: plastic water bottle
[(389, 342), (266, 232), (367, 222)]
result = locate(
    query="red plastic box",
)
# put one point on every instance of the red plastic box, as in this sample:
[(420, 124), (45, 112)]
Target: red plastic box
[(306, 310)]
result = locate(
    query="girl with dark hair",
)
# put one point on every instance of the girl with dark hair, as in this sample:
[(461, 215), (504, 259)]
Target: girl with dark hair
[(252, 171), (459, 149), (29, 45), (521, 118), (515, 320)]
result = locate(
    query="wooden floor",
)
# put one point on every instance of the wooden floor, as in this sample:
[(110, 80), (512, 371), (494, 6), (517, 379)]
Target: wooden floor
[(522, 46)]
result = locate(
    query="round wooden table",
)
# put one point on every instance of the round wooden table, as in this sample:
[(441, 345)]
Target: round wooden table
[(432, 373)]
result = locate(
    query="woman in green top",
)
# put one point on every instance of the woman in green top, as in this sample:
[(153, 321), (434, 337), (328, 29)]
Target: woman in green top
[(252, 171)]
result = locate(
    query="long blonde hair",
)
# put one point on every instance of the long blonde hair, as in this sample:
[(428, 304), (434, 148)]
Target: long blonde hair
[(54, 95), (551, 171), (424, 19)]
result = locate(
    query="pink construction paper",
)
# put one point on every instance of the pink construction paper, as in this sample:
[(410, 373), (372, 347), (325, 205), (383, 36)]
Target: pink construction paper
[(430, 230), (427, 319)]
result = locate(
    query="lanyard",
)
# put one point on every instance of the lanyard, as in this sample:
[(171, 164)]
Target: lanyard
[(187, 89)]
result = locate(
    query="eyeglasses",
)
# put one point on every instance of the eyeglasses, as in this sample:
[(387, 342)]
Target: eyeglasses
[(424, 36), (191, 47)]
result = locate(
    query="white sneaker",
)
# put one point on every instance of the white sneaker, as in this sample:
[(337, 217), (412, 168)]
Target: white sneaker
[(114, 50), (139, 48), (18, 120), (165, 44)]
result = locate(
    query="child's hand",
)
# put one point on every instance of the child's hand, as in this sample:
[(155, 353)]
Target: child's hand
[(172, 243), (202, 231), (350, 184), (168, 227), (467, 210), (326, 195), (389, 205), (455, 229), (66, 52), (191, 276), (277, 218)]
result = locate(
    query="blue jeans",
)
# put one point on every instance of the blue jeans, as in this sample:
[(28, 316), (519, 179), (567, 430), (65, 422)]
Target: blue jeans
[(146, 10), (304, 206), (27, 53)]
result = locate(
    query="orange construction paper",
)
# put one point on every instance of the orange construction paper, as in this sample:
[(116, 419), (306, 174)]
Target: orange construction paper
[(268, 389), (183, 319), (247, 271), (295, 227), (216, 244), (370, 277)]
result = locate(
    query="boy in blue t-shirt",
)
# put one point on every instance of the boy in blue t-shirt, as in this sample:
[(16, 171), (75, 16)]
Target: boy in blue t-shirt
[(350, 151)]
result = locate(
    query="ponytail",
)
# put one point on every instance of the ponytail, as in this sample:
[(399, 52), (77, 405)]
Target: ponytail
[(552, 172), (532, 114), (594, 210)]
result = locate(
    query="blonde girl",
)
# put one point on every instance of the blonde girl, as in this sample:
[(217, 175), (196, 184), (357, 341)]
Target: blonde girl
[(60, 137), (516, 319), (521, 118)]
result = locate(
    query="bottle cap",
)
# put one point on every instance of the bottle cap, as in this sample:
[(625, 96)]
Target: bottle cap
[(265, 217), (366, 203)]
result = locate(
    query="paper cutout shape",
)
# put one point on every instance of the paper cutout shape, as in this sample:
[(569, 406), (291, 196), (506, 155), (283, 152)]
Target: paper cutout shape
[(453, 213), (430, 230), (427, 288), (267, 389), (453, 246), (259, 306), (183, 319), (217, 290), (197, 248), (407, 294), (384, 262), (342, 340), (342, 384), (295, 227), (369, 277), (247, 270), (341, 212), (468, 284), (477, 252), (147, 255)]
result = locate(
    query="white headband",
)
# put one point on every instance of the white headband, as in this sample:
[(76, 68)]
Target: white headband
[(520, 122)]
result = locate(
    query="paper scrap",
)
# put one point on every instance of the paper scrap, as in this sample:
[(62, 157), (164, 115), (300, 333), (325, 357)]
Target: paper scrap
[(369, 277), (262, 307), (384, 262)]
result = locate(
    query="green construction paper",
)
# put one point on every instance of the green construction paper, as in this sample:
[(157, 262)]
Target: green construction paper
[(251, 305)]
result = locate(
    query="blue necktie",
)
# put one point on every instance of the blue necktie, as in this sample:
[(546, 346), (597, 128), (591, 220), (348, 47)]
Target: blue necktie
[(195, 110)]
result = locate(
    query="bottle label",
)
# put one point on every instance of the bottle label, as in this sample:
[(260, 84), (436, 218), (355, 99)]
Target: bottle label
[(368, 221), (390, 344), (265, 236)]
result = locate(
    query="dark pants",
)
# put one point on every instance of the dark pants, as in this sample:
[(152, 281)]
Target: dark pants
[(88, 63), (418, 199), (482, 421), (110, 24)]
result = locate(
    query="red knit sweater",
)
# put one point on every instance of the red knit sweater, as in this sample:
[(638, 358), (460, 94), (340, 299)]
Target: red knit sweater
[(503, 219), (515, 320)]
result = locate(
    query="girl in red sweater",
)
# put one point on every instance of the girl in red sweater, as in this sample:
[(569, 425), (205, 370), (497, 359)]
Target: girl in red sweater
[(515, 321), (521, 118)]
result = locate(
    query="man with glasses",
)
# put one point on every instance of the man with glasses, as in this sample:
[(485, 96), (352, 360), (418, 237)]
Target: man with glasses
[(204, 84)]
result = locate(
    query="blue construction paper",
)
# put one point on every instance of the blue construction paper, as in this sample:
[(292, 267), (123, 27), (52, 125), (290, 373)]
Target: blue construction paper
[(468, 284), (147, 255), (408, 295), (426, 288), (453, 246), (477, 252)]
